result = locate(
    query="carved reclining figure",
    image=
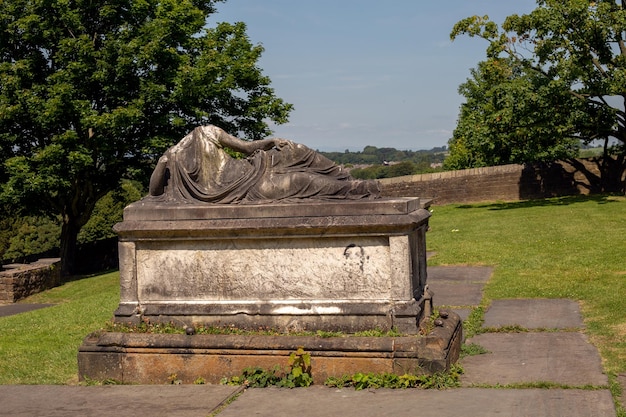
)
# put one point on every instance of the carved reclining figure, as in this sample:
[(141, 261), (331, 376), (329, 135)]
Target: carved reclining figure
[(199, 169)]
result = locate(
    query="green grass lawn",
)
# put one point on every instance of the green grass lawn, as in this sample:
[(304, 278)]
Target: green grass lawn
[(557, 248), (573, 247), (41, 347)]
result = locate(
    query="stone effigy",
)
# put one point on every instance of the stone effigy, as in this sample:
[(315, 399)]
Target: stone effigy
[(281, 239), (199, 169)]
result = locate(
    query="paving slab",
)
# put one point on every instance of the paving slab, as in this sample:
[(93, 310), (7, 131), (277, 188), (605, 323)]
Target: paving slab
[(107, 401), (534, 314), (12, 309), (558, 357), (456, 294), (458, 285), (468, 402), (460, 273)]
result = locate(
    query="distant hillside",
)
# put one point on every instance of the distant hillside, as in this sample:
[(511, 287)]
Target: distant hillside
[(374, 163)]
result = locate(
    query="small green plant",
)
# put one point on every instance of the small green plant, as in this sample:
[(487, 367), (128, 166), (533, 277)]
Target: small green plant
[(443, 380), (472, 349), (473, 324), (325, 334), (199, 381), (379, 333), (371, 380), (300, 373), (173, 379), (514, 328), (95, 382), (144, 327), (256, 377), (297, 374)]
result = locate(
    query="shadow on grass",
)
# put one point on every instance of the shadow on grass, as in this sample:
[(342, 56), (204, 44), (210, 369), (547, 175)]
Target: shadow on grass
[(546, 202)]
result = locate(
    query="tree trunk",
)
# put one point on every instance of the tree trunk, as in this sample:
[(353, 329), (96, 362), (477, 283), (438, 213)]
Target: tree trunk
[(69, 239)]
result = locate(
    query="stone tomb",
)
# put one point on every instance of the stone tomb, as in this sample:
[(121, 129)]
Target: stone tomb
[(342, 266)]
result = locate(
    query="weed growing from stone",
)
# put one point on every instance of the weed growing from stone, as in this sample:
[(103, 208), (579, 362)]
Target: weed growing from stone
[(297, 374), (360, 381), (472, 349)]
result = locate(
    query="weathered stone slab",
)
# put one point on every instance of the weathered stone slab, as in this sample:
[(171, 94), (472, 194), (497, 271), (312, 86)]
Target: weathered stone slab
[(447, 293), (11, 309), (237, 269), (474, 402), (150, 211), (562, 358), (464, 274), (534, 314), (107, 401), (458, 286)]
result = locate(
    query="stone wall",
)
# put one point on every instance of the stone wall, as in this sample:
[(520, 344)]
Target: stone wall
[(506, 182), (18, 281)]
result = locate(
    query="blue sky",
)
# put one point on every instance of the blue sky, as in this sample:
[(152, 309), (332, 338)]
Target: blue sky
[(364, 72)]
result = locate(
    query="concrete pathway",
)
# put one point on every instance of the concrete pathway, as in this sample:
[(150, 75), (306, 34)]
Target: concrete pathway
[(113, 400), (467, 402), (458, 287), (542, 369), (12, 309)]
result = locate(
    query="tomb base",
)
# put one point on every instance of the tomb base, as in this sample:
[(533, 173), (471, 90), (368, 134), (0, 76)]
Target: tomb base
[(316, 266), (156, 358), (334, 266)]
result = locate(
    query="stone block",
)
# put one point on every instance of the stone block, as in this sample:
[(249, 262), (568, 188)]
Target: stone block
[(347, 265)]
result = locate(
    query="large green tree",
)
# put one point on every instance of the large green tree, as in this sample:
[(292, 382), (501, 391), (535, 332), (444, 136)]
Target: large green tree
[(568, 59), (513, 116), (91, 91)]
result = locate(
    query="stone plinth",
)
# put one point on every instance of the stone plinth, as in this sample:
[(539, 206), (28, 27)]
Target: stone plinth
[(153, 358), (345, 265)]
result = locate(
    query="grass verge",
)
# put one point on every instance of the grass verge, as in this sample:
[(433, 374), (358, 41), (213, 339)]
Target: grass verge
[(40, 347), (570, 247)]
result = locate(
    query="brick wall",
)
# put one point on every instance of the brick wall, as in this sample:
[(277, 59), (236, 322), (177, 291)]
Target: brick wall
[(20, 281), (508, 182)]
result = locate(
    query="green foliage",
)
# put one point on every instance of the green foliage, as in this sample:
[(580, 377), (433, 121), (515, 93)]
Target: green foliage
[(360, 381), (21, 236), (144, 327), (376, 156), (108, 211), (512, 116), (199, 381), (473, 324), (392, 170), (298, 374), (179, 328), (93, 91), (30, 235), (378, 333), (472, 349), (300, 370), (552, 76)]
